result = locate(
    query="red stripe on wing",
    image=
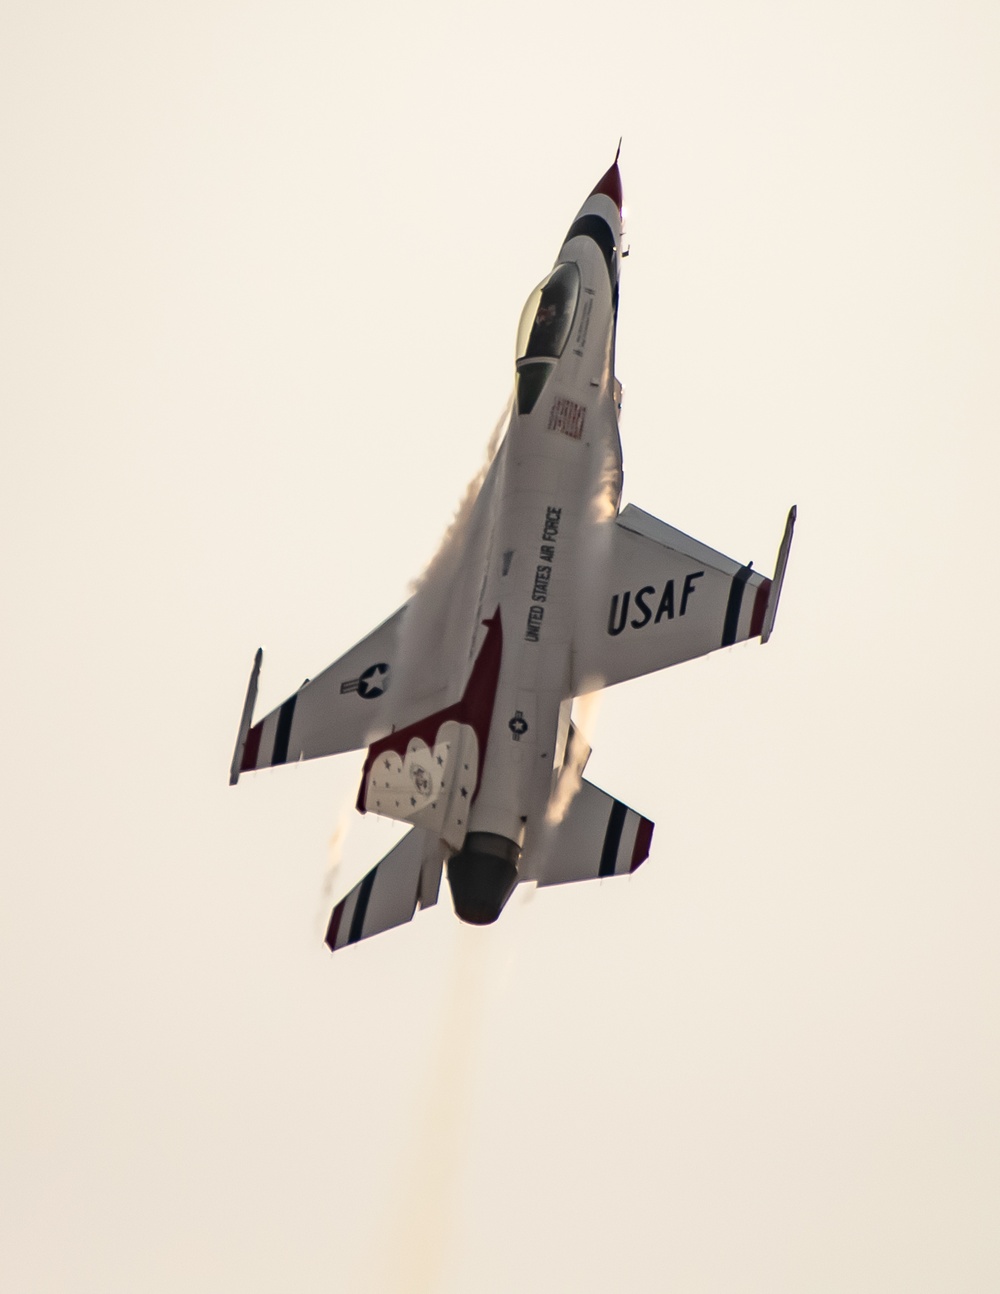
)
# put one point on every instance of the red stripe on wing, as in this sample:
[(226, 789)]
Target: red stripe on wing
[(251, 748), (759, 607)]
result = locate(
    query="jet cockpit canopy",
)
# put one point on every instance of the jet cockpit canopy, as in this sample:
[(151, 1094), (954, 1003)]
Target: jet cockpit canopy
[(543, 332)]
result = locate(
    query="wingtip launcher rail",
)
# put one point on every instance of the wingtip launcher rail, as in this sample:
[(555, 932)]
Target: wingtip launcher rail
[(779, 575), (246, 719)]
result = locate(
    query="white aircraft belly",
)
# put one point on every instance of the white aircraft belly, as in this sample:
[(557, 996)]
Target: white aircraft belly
[(547, 499)]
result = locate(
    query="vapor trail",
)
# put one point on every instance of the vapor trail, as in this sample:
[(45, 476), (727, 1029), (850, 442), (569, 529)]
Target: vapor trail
[(426, 1208), (450, 546), (335, 857), (585, 711), (436, 641)]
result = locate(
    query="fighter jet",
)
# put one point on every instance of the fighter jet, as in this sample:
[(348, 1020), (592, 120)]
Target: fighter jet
[(463, 698)]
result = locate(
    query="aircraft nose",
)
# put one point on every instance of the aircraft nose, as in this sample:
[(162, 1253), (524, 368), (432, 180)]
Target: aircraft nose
[(610, 184)]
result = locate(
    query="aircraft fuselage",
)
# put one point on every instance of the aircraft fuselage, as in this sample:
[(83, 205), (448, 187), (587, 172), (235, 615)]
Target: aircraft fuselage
[(560, 469)]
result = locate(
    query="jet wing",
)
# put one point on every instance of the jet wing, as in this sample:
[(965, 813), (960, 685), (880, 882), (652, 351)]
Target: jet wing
[(407, 877), (344, 708), (360, 697), (665, 598)]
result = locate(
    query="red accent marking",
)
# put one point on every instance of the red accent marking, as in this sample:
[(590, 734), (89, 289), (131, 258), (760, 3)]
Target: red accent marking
[(610, 184), (568, 417), (334, 926), (475, 708), (759, 607), (251, 748), (640, 850)]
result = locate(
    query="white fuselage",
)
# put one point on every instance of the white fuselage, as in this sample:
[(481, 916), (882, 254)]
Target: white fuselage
[(560, 472)]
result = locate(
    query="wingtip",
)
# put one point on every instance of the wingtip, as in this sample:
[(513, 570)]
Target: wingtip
[(246, 719), (779, 575), (333, 927)]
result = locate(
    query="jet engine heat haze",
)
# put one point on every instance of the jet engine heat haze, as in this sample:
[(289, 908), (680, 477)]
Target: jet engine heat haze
[(470, 743)]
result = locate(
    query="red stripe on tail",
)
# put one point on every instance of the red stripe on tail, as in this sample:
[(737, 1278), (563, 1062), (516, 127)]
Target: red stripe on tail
[(334, 926), (640, 850)]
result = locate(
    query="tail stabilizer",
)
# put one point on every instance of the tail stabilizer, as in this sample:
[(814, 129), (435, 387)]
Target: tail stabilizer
[(408, 877), (599, 836)]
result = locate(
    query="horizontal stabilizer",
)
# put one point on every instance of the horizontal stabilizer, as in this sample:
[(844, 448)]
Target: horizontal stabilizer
[(599, 836), (408, 877)]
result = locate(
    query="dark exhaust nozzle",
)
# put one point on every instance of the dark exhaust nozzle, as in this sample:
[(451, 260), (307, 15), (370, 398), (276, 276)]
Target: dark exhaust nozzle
[(482, 876)]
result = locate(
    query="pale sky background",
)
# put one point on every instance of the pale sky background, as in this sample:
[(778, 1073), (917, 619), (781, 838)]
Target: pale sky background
[(261, 271)]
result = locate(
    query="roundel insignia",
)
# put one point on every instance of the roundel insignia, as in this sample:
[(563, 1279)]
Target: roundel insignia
[(518, 725), (374, 681)]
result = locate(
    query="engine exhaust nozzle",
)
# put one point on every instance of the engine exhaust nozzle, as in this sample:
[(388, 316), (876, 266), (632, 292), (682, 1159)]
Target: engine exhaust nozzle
[(482, 876)]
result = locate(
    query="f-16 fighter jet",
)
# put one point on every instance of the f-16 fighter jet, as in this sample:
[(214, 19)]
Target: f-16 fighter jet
[(463, 698)]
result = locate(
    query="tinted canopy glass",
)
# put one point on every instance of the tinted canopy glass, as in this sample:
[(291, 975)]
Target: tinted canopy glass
[(531, 377), (548, 315)]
